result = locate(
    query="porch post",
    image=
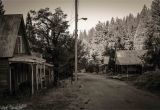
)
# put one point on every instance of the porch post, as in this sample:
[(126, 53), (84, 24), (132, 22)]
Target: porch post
[(52, 72), (32, 80), (44, 73), (10, 80), (142, 69), (121, 69), (115, 68), (49, 75), (37, 75), (41, 75), (127, 72)]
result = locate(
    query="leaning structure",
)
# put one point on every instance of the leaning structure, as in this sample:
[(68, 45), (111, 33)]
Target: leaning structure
[(19, 67)]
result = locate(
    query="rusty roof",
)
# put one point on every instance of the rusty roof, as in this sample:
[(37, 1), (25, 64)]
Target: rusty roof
[(129, 57), (9, 28)]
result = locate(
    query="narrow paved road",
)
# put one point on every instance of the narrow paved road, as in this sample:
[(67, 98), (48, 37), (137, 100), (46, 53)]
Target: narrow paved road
[(108, 94)]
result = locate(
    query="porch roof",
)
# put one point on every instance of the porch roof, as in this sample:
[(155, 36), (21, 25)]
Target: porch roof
[(50, 65), (27, 59)]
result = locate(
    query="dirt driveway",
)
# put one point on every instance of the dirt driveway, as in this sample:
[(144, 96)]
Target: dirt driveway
[(94, 92), (108, 94)]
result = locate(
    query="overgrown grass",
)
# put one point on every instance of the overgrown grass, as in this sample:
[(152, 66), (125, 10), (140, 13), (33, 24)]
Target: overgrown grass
[(149, 80)]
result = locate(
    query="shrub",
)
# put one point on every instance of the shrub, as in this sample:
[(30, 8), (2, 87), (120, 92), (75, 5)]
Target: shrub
[(149, 80)]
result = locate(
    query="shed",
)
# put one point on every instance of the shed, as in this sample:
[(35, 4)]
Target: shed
[(129, 61), (104, 66)]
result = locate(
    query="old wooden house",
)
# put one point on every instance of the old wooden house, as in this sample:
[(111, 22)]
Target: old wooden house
[(104, 66), (129, 61), (19, 67)]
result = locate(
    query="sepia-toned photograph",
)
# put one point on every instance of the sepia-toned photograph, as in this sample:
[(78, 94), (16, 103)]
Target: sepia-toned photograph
[(79, 54)]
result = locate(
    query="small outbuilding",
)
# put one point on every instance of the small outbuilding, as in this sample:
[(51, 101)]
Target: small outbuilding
[(104, 66), (129, 61)]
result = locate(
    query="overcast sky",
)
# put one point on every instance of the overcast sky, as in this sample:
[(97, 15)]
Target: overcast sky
[(94, 10)]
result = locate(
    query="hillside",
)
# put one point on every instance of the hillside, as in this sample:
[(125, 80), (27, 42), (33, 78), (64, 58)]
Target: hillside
[(129, 31)]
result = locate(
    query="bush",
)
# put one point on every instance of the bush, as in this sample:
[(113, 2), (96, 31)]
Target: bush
[(92, 68), (149, 80)]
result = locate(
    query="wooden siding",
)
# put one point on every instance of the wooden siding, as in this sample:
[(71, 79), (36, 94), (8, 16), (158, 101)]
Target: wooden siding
[(20, 74), (4, 71), (20, 46), (21, 42)]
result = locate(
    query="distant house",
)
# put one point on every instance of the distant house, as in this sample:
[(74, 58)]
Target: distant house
[(19, 67), (106, 60), (129, 61), (104, 66)]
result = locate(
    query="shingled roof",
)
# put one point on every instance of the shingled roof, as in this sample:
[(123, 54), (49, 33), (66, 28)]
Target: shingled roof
[(9, 28), (129, 57)]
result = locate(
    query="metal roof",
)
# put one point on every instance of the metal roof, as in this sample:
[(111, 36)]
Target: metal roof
[(129, 57)]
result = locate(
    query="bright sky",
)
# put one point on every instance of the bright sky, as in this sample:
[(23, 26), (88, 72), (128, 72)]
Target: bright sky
[(94, 10)]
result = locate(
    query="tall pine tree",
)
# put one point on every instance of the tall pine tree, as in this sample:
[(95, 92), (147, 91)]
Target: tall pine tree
[(30, 33), (153, 41), (2, 11), (140, 35)]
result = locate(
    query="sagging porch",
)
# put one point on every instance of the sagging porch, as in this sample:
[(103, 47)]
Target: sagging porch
[(29, 74)]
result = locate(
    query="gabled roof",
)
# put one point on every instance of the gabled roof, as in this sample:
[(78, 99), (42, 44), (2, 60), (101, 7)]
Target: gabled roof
[(129, 57), (9, 28)]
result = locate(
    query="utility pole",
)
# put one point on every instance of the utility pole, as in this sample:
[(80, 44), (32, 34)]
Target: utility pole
[(76, 36)]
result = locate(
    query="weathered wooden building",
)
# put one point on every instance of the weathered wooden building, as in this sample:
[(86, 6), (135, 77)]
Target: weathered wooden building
[(19, 67), (104, 66), (129, 61)]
